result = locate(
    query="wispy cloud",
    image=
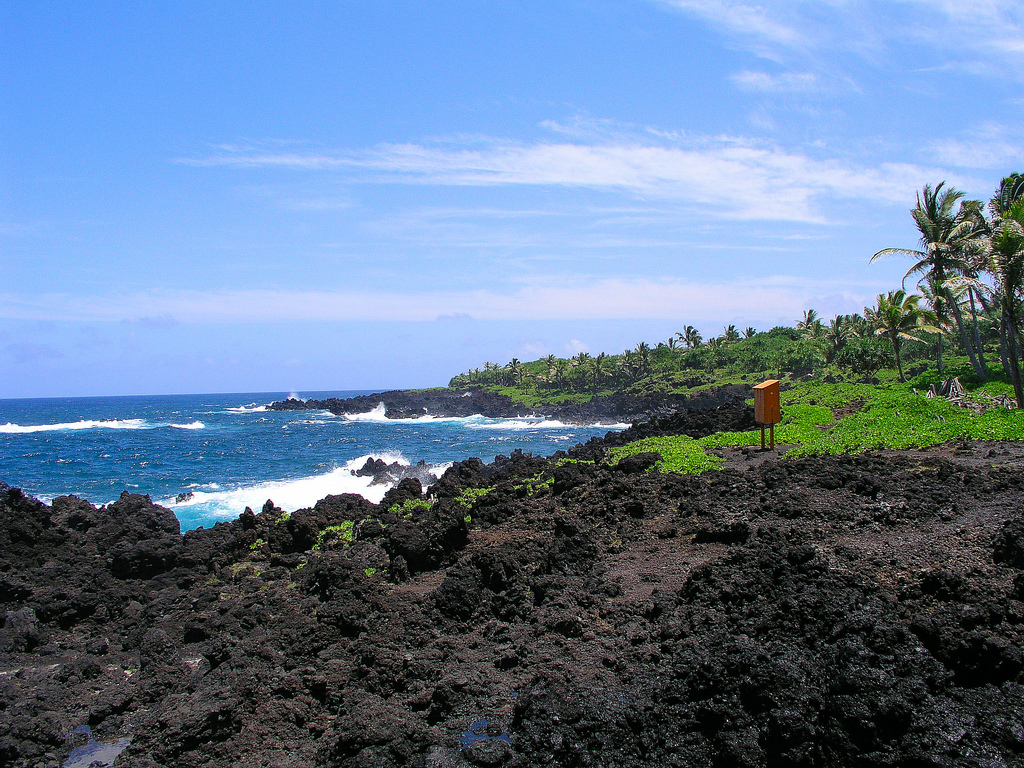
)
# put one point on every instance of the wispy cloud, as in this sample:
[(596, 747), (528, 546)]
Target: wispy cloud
[(981, 35), (786, 82), (998, 155), (762, 24), (730, 177), (766, 299)]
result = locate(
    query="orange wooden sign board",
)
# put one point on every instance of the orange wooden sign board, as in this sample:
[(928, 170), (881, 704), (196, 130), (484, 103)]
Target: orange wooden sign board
[(767, 409)]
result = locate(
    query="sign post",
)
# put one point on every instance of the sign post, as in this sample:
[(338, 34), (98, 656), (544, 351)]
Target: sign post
[(767, 410)]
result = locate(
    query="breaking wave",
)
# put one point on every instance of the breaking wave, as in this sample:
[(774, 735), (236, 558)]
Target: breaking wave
[(18, 429), (250, 408), (288, 494)]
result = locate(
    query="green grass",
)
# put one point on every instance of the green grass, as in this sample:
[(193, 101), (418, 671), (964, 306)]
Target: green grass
[(679, 453), (891, 417), (533, 398)]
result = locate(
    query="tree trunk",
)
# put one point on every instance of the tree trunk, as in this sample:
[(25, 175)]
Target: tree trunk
[(1013, 342), (977, 334), (1002, 350), (965, 339), (899, 366), (939, 355)]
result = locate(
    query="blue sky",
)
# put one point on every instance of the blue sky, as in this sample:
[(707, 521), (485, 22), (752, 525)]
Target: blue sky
[(200, 197)]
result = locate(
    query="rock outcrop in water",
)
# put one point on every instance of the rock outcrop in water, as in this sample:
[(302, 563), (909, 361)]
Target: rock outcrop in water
[(614, 408), (862, 610)]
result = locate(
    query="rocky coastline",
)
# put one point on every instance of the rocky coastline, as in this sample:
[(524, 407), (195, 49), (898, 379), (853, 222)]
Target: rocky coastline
[(857, 610), (447, 403)]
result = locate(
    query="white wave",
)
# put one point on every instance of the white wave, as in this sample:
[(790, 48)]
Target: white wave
[(250, 408), (377, 414), (439, 469), (75, 426), (528, 423), (287, 494), (476, 421), (10, 428)]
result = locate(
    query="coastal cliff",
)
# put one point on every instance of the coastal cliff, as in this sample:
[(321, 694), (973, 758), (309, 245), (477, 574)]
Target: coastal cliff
[(614, 408)]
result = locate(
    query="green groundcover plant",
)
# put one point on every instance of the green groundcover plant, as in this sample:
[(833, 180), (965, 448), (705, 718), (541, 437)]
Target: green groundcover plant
[(820, 418)]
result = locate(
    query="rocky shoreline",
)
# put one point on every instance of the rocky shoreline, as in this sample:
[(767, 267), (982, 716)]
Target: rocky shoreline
[(858, 610), (448, 403)]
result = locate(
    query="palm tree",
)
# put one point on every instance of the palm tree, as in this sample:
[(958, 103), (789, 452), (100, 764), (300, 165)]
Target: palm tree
[(599, 365), (580, 359), (561, 372), (896, 316), (836, 334), (515, 370), (809, 325), (749, 332), (629, 366), (643, 357), (1004, 208), (1006, 267), (858, 326), (810, 318), (730, 334), (947, 234), (938, 302), (713, 354), (691, 337), (1003, 259)]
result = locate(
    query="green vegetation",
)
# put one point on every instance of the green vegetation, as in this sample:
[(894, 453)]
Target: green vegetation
[(342, 533), (820, 418), (563, 461), (970, 310), (369, 571), (469, 497), (845, 381), (258, 544), (408, 507), (533, 485), (679, 453)]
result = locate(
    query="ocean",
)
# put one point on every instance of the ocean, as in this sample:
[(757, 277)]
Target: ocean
[(229, 452)]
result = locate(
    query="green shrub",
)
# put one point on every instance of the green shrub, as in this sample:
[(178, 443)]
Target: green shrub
[(343, 532), (408, 507)]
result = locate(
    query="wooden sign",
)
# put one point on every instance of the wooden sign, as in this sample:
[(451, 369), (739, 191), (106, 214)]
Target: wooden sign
[(766, 402), (767, 409)]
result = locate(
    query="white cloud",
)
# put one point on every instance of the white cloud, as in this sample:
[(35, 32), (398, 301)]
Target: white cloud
[(786, 82), (764, 300), (731, 177), (759, 22), (873, 30), (986, 147)]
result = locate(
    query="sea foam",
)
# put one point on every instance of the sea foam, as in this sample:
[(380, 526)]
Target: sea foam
[(250, 408), (377, 414), (18, 429), (288, 494)]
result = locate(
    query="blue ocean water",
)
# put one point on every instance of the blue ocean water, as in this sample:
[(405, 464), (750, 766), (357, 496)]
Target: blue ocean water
[(229, 452)]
